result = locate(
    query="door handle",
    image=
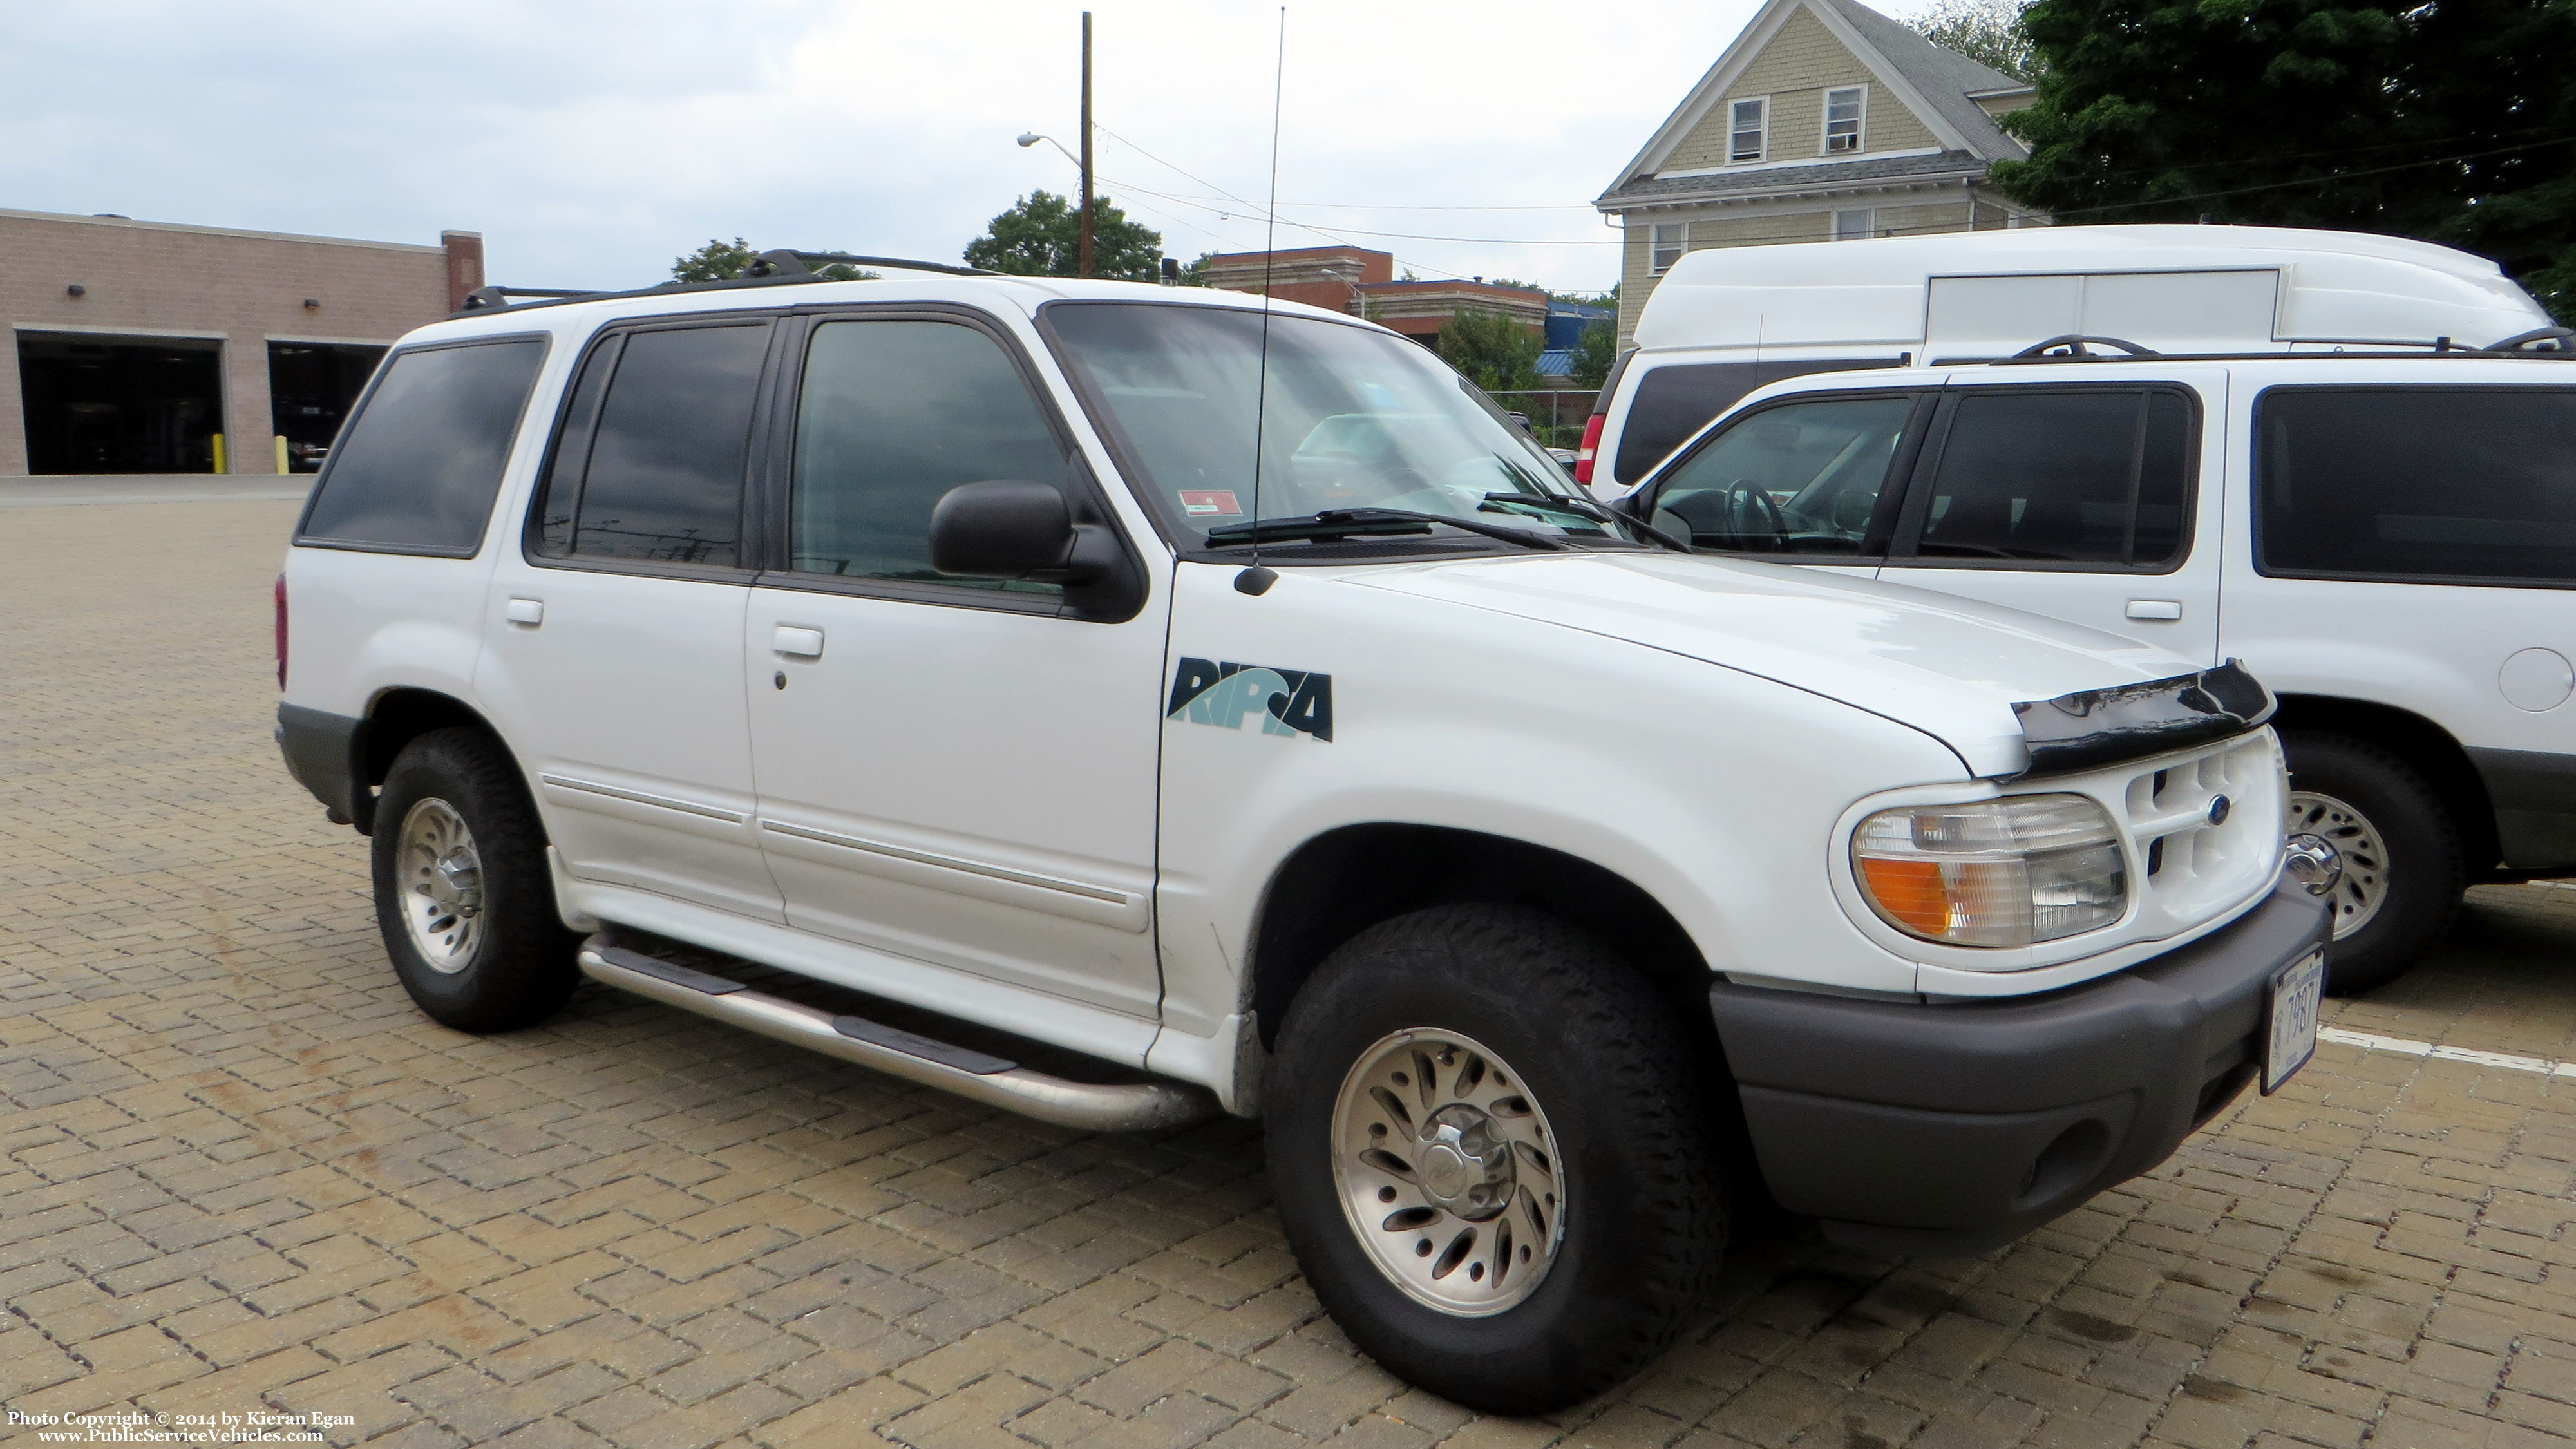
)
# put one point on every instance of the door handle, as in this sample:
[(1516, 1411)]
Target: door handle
[(530, 612), (804, 643), (2155, 608)]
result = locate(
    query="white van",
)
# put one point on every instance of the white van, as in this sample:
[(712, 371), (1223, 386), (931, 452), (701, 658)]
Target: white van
[(2349, 461), (1237, 699)]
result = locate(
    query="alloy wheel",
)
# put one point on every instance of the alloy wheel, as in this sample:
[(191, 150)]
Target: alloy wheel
[(441, 877), (2363, 889), (1448, 1172)]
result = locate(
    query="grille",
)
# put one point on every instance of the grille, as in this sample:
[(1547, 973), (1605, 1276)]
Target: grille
[(2189, 864)]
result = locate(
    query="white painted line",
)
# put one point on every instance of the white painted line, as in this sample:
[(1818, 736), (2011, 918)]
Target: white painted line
[(2368, 1042)]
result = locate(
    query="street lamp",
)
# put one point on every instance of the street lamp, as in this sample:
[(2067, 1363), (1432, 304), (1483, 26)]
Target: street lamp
[(1031, 138)]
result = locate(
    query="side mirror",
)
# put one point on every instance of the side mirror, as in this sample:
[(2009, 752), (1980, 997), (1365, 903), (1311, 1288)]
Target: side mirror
[(1011, 528), (1007, 528)]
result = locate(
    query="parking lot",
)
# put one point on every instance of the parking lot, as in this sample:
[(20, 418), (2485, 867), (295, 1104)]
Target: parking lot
[(243, 1174)]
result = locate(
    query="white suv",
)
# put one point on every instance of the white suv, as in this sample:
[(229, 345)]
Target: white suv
[(1005, 648), (2387, 539)]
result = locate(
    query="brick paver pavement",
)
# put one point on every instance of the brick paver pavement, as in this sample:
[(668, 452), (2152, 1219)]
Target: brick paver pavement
[(239, 1173)]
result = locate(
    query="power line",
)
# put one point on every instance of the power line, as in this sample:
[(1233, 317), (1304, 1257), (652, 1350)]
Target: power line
[(1359, 231), (2312, 180), (1269, 215)]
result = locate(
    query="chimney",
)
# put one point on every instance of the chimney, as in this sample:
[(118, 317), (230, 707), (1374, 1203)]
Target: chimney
[(464, 264)]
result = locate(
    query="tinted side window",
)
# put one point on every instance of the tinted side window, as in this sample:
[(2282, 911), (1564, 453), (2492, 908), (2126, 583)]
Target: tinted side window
[(2062, 477), (893, 415), (2462, 483), (420, 463), (662, 476), (1674, 402), (1798, 478)]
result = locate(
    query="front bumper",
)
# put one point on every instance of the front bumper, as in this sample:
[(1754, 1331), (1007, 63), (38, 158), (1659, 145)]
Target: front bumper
[(1957, 1128)]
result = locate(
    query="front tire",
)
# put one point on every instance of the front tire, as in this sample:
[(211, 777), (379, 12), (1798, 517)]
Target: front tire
[(1492, 1157), (463, 896), (2403, 869)]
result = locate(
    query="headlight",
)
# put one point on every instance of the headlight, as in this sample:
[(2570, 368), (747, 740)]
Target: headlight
[(2004, 872)]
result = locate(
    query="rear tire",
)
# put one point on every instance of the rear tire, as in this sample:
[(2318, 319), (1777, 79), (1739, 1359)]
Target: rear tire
[(2403, 867), (464, 898), (1556, 1158)]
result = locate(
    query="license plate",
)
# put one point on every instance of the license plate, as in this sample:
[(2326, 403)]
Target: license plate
[(2290, 1037)]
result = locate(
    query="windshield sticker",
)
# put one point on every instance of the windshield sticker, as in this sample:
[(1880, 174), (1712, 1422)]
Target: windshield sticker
[(1289, 701), (1210, 503)]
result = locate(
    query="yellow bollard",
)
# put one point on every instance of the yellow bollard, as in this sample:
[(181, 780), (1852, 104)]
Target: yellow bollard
[(219, 454), (281, 454)]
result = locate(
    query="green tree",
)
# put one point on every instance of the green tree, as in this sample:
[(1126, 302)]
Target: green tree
[(722, 261), (1989, 32), (2453, 121), (1040, 236), (1497, 353), (1594, 351)]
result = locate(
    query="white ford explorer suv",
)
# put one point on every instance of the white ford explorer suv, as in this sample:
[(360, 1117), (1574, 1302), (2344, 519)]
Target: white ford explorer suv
[(1003, 647), (2252, 464)]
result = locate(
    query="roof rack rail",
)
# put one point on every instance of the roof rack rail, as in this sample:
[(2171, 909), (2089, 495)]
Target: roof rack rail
[(2530, 341), (2557, 344), (788, 262), (2074, 342), (485, 298), (779, 267)]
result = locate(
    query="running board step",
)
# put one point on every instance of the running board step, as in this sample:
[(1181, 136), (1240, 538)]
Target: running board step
[(968, 1073)]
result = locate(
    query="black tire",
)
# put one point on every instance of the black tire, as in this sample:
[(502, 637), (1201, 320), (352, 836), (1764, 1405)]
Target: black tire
[(520, 967), (2423, 875), (1606, 1063)]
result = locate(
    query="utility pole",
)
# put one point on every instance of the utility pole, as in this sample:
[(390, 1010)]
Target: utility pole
[(1084, 262)]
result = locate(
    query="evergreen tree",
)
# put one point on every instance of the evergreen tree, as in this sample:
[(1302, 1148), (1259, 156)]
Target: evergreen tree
[(1986, 31), (2453, 121), (1040, 236), (1594, 352), (1497, 353)]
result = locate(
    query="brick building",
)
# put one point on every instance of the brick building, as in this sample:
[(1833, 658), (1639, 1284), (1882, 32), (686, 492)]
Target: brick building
[(136, 345), (1363, 283)]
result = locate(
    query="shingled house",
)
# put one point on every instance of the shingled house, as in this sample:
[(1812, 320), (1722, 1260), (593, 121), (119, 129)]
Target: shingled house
[(1825, 120)]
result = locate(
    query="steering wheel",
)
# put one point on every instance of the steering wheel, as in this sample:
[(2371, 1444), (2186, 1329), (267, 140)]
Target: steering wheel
[(1743, 501)]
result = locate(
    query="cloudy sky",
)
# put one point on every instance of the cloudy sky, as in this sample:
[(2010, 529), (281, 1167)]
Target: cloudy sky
[(592, 141)]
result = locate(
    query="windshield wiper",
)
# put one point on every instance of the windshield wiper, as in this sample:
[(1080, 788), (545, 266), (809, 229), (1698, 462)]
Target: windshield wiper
[(1587, 508), (1350, 522)]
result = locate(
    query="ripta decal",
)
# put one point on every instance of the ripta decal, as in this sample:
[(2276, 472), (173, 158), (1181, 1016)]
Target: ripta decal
[(1290, 701)]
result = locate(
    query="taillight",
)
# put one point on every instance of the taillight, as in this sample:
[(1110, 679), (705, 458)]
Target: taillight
[(281, 631), (1591, 442)]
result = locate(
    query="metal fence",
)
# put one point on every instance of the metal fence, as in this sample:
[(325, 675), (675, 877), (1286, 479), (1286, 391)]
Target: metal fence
[(1556, 417)]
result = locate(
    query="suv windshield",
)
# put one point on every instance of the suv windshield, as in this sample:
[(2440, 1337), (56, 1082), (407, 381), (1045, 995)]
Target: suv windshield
[(1352, 419)]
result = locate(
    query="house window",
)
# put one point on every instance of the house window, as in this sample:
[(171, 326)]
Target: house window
[(1854, 225), (1667, 244), (1747, 121), (1842, 119)]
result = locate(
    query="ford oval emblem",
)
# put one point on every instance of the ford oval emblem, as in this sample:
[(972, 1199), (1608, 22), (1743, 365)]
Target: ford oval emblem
[(2218, 809)]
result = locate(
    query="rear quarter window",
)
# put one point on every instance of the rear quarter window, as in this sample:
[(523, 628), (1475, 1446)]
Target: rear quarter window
[(2418, 484), (417, 470)]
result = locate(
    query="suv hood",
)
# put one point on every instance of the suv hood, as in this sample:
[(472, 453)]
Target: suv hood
[(1948, 666)]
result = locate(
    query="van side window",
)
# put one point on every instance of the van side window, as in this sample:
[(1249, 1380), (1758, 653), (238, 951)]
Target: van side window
[(1677, 400), (1801, 478), (893, 415), (423, 458), (2089, 477), (660, 479), (2476, 485)]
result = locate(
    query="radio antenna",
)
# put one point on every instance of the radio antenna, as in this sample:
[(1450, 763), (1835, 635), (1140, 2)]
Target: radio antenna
[(1269, 259)]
